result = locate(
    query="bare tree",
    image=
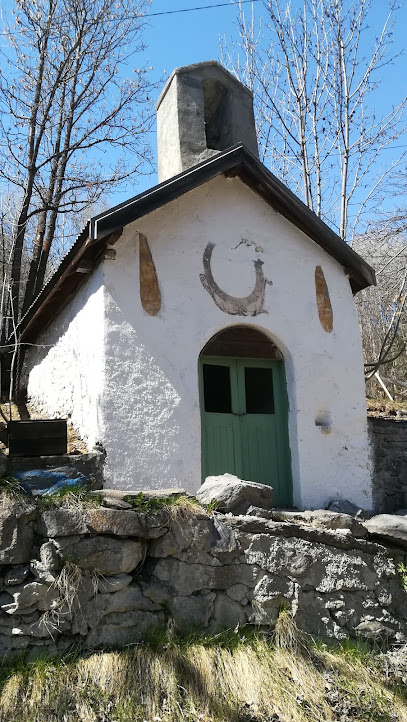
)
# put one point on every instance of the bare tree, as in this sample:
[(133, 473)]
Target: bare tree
[(383, 310), (73, 119), (313, 90)]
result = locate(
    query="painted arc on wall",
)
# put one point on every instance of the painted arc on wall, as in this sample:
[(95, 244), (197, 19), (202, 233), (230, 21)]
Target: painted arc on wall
[(250, 305), (244, 410), (323, 301), (149, 289)]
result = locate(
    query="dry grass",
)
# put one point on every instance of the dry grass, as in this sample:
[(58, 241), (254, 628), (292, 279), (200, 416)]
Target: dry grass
[(384, 407), (225, 678), (68, 583), (12, 494)]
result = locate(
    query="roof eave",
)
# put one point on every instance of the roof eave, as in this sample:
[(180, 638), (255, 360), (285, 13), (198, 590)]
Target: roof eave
[(236, 161), (360, 273)]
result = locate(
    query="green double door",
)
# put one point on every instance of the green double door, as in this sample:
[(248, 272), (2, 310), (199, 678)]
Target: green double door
[(244, 414)]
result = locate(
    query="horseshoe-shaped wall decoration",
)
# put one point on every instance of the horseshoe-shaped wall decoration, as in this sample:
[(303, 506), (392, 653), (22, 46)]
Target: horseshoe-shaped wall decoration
[(248, 305)]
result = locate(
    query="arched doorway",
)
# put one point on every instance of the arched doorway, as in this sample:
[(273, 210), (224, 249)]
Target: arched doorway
[(244, 410)]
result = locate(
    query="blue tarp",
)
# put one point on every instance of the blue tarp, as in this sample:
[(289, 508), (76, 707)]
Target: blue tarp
[(45, 482)]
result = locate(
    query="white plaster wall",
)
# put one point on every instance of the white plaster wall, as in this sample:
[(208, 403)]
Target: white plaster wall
[(151, 393), (66, 369)]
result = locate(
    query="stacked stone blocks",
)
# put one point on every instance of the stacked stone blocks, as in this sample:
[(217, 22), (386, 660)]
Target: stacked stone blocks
[(388, 442), (106, 577)]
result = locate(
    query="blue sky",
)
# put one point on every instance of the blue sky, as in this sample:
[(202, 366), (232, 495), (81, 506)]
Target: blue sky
[(185, 38), (182, 38), (191, 37)]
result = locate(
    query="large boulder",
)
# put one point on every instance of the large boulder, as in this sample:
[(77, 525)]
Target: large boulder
[(389, 527), (234, 495)]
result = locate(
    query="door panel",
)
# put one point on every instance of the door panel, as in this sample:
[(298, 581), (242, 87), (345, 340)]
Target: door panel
[(259, 422), (259, 450), (220, 442), (220, 423), (245, 422)]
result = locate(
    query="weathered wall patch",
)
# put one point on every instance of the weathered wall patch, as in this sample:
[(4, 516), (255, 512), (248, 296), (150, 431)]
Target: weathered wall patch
[(323, 301), (149, 289)]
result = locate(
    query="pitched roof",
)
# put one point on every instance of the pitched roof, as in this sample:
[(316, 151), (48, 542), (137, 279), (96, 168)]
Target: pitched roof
[(236, 161)]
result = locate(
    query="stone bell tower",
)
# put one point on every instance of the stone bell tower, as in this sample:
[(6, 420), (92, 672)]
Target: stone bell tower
[(202, 110)]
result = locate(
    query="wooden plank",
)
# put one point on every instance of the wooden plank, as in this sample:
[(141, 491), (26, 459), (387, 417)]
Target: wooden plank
[(384, 387), (149, 289), (323, 301)]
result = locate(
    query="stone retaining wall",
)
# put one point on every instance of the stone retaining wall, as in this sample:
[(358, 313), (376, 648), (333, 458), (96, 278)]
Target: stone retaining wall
[(388, 439), (104, 577)]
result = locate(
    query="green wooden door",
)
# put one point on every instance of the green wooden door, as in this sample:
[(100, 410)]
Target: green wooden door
[(245, 422)]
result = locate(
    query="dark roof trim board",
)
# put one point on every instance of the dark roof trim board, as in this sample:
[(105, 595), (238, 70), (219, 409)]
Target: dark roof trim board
[(238, 161), (234, 162)]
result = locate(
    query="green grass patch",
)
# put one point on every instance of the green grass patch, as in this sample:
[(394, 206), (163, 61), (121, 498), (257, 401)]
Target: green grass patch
[(149, 504), (212, 506), (402, 572)]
